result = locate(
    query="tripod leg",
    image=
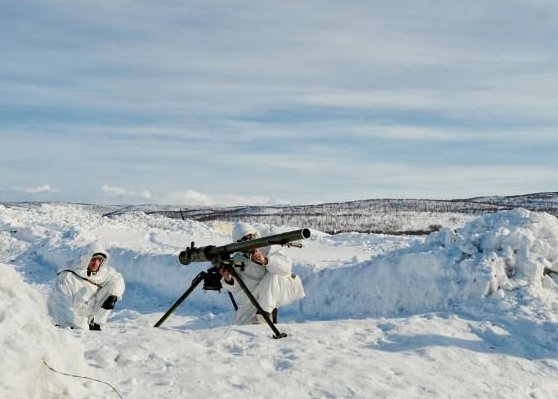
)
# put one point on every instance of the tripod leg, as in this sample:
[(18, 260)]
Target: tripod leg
[(254, 302), (198, 279), (235, 306)]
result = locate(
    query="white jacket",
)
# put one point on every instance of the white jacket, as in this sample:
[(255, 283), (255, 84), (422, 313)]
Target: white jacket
[(76, 298), (278, 263)]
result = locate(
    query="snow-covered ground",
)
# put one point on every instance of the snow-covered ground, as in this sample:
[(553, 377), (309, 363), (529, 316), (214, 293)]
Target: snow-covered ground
[(469, 313)]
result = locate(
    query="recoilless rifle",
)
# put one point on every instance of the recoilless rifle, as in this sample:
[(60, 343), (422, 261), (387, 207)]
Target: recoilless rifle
[(220, 257)]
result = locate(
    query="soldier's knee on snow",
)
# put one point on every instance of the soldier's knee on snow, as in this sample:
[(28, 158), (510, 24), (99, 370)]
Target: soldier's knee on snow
[(110, 302)]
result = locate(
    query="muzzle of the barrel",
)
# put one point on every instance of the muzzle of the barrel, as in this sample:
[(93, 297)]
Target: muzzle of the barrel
[(193, 254)]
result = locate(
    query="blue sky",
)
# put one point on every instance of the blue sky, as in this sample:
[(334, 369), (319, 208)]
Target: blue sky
[(264, 102)]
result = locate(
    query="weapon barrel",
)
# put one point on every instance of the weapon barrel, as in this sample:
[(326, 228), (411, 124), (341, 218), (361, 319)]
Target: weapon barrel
[(245, 246), (210, 252)]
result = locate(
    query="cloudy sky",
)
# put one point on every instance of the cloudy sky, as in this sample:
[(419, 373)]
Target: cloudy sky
[(216, 102)]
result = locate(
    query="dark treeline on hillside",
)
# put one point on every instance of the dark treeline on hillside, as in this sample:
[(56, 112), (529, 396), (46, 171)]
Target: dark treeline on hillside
[(387, 216), (371, 216)]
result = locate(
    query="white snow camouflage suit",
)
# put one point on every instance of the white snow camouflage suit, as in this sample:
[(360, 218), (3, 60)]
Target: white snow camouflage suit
[(273, 285), (76, 298)]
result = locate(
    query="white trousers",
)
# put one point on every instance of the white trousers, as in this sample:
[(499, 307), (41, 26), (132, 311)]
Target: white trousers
[(96, 312), (273, 291)]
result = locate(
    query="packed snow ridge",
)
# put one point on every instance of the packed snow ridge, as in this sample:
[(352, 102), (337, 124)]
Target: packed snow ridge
[(501, 267), (492, 261)]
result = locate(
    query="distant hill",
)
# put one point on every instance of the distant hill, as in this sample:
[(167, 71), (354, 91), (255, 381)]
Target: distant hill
[(387, 216)]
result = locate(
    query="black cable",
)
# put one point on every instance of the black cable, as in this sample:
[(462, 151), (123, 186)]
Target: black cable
[(87, 378)]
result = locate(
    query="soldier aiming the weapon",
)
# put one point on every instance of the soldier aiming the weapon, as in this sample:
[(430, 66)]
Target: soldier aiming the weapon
[(267, 274)]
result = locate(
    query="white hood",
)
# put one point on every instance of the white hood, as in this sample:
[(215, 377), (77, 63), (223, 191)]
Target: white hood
[(88, 251), (241, 229)]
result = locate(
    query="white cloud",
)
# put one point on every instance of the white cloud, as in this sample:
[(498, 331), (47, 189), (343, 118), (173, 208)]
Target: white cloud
[(120, 192), (45, 188), (189, 198), (194, 198)]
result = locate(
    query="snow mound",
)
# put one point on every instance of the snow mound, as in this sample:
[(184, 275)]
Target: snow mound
[(507, 259), (28, 339)]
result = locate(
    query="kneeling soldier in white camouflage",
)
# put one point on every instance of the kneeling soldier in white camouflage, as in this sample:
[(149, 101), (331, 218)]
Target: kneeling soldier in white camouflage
[(84, 296), (268, 275)]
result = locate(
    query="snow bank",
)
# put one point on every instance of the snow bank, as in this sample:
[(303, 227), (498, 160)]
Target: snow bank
[(502, 257), (28, 339)]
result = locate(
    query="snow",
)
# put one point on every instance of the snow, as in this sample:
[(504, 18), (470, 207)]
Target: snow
[(463, 313)]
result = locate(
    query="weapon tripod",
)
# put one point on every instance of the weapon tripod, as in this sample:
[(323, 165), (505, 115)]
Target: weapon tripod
[(212, 282)]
